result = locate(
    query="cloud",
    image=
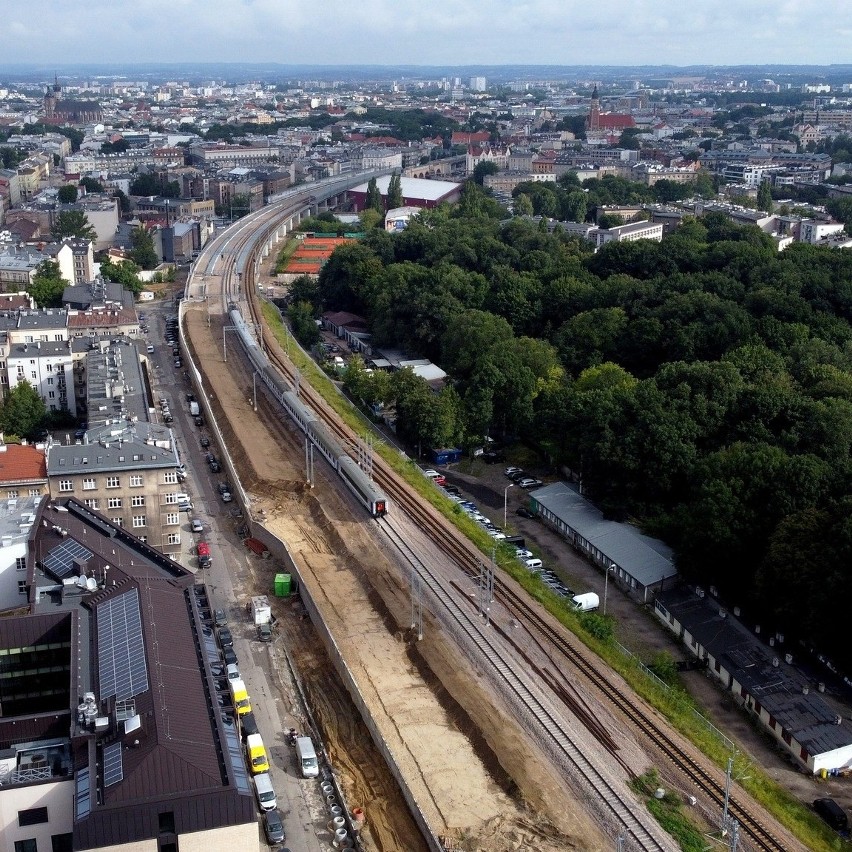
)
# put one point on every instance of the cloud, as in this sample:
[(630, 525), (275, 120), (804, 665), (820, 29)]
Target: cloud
[(457, 32)]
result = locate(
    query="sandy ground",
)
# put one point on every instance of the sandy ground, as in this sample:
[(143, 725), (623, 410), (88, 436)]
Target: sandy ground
[(473, 773)]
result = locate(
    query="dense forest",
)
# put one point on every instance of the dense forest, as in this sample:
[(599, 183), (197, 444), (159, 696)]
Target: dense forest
[(701, 386)]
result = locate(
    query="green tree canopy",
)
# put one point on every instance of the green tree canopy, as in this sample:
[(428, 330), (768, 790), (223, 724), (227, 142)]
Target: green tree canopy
[(23, 411), (142, 251), (48, 285), (67, 194), (73, 223)]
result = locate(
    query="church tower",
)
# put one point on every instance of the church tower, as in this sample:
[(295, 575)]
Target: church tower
[(595, 111), (51, 96)]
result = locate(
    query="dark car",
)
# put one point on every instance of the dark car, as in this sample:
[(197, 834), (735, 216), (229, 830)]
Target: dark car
[(229, 656), (493, 456), (215, 467), (220, 617), (226, 640), (205, 441), (199, 421), (273, 825), (832, 813), (524, 513), (248, 724), (223, 487)]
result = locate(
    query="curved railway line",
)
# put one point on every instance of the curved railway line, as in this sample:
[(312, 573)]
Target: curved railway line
[(238, 253)]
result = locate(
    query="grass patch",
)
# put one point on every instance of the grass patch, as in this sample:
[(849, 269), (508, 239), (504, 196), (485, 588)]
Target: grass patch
[(284, 255), (669, 813), (674, 703)]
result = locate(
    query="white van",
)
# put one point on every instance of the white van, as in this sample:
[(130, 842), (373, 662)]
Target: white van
[(264, 792), (533, 564), (306, 757)]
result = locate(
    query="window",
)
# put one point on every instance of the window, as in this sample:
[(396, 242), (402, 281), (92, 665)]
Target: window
[(172, 519), (28, 845), (169, 498), (34, 492), (50, 380), (33, 816), (173, 538), (66, 485), (167, 822), (114, 503), (117, 521), (21, 563), (51, 395), (113, 482), (92, 504), (138, 500), (62, 842), (138, 521), (22, 587), (170, 478), (135, 481), (89, 484), (50, 370), (12, 495), (33, 374)]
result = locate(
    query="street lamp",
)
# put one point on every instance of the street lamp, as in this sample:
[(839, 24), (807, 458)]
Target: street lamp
[(505, 498), (606, 584)]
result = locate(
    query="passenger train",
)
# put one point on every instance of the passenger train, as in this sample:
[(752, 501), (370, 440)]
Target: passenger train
[(365, 490)]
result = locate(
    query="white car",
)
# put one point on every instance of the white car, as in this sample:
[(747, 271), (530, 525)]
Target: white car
[(197, 526)]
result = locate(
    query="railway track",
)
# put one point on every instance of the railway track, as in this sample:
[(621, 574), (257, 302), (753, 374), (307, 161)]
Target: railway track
[(560, 647)]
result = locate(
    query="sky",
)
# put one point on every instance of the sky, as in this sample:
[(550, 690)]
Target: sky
[(450, 32)]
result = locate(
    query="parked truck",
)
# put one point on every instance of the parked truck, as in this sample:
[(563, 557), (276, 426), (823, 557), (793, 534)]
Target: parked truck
[(586, 602), (194, 410), (261, 612)]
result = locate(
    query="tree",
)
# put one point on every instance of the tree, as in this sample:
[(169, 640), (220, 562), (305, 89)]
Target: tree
[(394, 197), (23, 411), (92, 185), (48, 285), (303, 322), (142, 252), (67, 194), (482, 168), (574, 207), (523, 205), (374, 197), (73, 223), (125, 273), (764, 197)]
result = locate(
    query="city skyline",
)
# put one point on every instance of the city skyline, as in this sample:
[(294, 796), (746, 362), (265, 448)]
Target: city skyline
[(461, 32)]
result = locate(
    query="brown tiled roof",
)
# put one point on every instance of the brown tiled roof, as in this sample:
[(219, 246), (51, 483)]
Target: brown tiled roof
[(98, 319), (22, 464)]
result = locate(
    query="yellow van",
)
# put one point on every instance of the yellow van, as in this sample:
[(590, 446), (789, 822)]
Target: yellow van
[(257, 758), (240, 697)]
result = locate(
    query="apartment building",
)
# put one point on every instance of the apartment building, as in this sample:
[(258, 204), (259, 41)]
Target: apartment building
[(119, 741), (127, 467)]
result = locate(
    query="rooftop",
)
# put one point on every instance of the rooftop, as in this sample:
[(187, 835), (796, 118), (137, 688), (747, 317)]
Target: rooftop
[(21, 464)]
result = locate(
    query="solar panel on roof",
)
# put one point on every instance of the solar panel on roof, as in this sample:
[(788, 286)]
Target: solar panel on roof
[(113, 764), (60, 560), (122, 670)]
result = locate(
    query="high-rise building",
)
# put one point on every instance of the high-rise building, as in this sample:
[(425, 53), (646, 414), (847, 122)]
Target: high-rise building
[(477, 84)]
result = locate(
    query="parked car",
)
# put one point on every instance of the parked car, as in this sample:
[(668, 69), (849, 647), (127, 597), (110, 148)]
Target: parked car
[(524, 513), (492, 456), (205, 441), (273, 825), (530, 482), (229, 656), (226, 639), (220, 617), (510, 470), (197, 526), (215, 467)]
